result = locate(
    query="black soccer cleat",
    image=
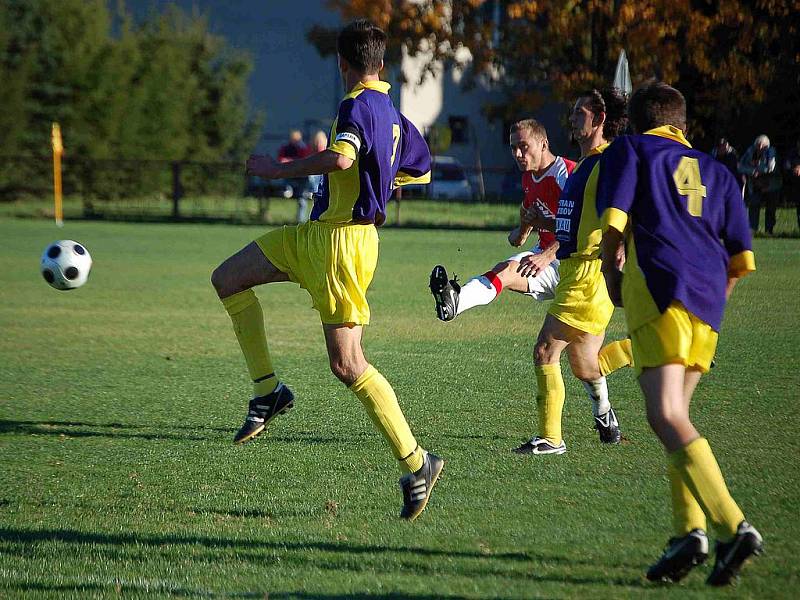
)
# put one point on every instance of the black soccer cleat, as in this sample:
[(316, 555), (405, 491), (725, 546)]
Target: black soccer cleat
[(445, 293), (537, 445), (607, 426), (262, 410), (417, 486), (681, 555), (731, 556)]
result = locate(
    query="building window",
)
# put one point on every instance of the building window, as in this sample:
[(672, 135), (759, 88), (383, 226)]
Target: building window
[(459, 129)]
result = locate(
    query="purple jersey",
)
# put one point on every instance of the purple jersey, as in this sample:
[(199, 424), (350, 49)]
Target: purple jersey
[(387, 151), (686, 225)]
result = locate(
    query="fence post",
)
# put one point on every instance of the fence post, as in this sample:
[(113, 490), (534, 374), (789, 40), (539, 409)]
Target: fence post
[(177, 189), (398, 196)]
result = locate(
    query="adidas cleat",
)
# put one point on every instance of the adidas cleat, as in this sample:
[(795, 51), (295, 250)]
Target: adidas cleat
[(539, 445), (262, 410), (681, 555), (731, 556), (607, 426), (445, 293), (417, 486)]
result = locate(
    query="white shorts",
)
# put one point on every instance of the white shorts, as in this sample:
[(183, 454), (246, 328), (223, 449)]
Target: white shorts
[(542, 286)]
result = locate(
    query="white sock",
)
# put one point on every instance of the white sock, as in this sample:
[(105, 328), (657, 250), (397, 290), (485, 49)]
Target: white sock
[(476, 292), (598, 394)]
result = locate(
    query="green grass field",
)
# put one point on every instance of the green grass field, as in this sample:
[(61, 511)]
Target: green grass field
[(118, 403)]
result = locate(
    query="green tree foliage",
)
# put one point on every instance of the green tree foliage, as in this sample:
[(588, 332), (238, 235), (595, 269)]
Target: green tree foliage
[(165, 89)]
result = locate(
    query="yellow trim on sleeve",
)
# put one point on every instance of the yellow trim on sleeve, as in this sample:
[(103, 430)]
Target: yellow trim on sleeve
[(344, 148), (741, 264), (406, 179), (616, 218)]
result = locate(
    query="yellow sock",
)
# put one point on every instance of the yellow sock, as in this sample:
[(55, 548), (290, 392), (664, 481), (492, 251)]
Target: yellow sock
[(550, 401), (248, 324), (614, 356), (378, 397), (686, 512), (700, 471)]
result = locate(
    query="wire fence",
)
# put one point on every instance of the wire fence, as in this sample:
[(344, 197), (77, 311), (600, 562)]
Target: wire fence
[(157, 190)]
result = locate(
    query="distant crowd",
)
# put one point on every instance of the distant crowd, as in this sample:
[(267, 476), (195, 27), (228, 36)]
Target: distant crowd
[(764, 177)]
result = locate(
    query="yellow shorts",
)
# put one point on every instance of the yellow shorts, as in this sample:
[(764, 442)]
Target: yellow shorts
[(334, 263), (581, 299), (676, 336)]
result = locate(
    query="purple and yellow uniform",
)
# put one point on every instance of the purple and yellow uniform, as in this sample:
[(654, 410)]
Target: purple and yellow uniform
[(686, 232), (334, 255), (581, 299)]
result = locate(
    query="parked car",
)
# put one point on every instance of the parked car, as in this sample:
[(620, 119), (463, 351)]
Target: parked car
[(449, 181), (263, 188)]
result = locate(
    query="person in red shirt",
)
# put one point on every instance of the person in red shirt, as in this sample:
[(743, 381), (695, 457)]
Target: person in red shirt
[(533, 272), (296, 149)]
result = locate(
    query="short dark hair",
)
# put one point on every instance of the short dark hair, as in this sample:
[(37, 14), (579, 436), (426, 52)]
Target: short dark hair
[(655, 104), (612, 101), (362, 44)]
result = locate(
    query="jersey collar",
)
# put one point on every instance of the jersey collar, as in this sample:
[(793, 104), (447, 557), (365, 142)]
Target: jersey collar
[(671, 133), (376, 85), (598, 149)]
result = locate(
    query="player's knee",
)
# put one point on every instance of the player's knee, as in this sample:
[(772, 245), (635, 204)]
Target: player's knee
[(343, 369), (543, 353), (223, 283), (586, 371), (504, 267)]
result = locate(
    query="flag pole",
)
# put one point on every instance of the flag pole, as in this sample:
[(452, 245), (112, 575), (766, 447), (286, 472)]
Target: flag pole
[(58, 150)]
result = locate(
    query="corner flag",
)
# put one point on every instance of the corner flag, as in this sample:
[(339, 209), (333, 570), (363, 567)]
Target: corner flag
[(58, 150), (622, 77)]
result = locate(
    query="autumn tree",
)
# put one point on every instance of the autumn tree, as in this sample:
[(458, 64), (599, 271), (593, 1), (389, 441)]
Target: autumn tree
[(732, 59)]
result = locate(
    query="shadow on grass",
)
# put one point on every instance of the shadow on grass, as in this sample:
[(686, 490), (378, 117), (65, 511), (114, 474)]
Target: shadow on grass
[(353, 557), (78, 429), (121, 588)]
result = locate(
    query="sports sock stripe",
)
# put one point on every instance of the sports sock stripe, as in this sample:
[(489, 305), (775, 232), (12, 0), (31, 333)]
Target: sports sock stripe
[(264, 378), (492, 277)]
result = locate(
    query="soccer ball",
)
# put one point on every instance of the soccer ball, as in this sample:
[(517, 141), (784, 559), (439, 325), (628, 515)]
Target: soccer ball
[(66, 264)]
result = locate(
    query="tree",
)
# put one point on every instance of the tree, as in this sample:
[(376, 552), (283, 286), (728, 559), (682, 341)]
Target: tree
[(726, 56)]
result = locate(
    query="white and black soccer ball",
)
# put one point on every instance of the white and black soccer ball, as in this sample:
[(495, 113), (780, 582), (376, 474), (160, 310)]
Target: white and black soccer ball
[(66, 264)]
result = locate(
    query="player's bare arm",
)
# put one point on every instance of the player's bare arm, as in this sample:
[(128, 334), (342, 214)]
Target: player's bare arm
[(317, 164), (531, 266), (611, 265)]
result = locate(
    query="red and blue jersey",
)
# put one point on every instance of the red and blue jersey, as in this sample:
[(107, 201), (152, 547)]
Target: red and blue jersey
[(387, 151), (544, 192), (684, 221)]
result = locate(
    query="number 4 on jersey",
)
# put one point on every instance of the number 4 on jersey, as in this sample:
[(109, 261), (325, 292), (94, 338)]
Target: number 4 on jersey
[(688, 183)]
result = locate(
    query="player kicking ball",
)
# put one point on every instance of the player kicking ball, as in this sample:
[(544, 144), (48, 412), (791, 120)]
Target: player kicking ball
[(655, 189), (333, 256), (535, 272)]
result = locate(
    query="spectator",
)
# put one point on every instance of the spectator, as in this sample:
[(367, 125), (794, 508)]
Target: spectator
[(792, 188), (763, 182), (727, 155), (293, 150), (318, 144)]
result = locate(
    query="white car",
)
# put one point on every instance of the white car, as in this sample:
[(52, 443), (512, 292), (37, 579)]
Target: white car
[(448, 181)]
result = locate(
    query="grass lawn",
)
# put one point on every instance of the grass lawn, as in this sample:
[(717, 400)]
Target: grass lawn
[(118, 403)]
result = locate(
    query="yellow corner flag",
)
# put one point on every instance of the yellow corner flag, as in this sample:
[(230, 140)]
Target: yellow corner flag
[(58, 150)]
